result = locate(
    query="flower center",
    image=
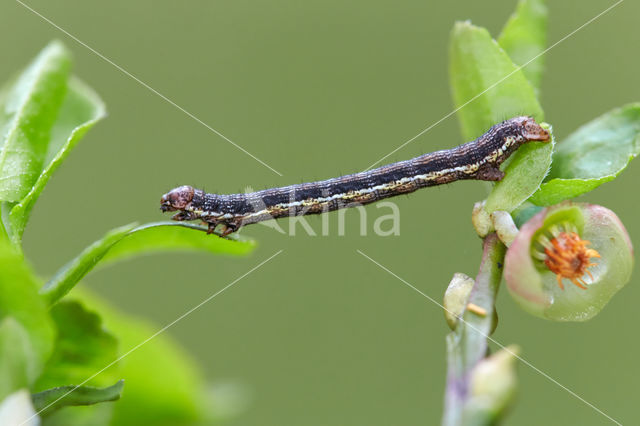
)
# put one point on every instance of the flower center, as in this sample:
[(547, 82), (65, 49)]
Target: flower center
[(567, 256)]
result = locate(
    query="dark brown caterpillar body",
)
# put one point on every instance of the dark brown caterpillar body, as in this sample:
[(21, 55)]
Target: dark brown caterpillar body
[(479, 160)]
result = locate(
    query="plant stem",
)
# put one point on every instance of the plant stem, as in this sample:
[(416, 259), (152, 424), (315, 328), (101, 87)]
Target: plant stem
[(467, 345)]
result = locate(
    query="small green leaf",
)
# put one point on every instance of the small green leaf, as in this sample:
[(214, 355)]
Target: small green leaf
[(28, 111), (594, 154), (164, 385), (80, 110), (173, 236), (131, 240), (26, 331), (82, 348), (486, 85), (524, 37), (523, 174), (488, 88), (48, 401), (525, 212), (71, 273)]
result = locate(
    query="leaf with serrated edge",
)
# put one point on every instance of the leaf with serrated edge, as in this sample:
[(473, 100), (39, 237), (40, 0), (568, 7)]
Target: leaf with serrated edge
[(82, 347), (48, 401)]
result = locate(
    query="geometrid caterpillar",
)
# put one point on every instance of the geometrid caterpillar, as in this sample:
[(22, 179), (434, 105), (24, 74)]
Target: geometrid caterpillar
[(479, 159)]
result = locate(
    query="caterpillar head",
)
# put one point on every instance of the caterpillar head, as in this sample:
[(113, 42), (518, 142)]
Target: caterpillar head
[(177, 199), (531, 130)]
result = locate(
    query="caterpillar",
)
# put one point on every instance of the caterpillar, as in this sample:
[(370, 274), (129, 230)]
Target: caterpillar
[(479, 160)]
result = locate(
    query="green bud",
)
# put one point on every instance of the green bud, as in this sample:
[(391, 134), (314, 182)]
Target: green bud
[(481, 219), (493, 384), (456, 301), (505, 226)]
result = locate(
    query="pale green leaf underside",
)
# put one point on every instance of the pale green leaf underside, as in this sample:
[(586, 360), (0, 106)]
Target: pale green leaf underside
[(132, 240), (594, 154)]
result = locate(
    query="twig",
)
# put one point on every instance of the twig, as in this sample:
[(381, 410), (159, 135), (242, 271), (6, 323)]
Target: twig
[(467, 345)]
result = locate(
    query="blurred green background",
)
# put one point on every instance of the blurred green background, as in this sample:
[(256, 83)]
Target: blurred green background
[(320, 335)]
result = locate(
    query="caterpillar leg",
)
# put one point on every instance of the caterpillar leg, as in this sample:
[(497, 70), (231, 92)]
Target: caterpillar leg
[(181, 216), (211, 226), (489, 172), (228, 228)]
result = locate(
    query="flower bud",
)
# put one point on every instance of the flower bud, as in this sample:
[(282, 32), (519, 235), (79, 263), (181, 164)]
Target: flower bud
[(493, 385), (456, 297), (481, 219), (505, 226), (456, 302), (568, 260)]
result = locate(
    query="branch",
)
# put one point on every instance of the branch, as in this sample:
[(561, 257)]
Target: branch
[(467, 345)]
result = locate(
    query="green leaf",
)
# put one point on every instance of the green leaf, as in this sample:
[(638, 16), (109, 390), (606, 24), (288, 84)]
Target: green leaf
[(173, 236), (488, 88), (82, 348), (26, 331), (523, 174), (46, 402), (486, 85), (524, 37), (28, 111), (164, 385), (132, 240), (594, 154), (80, 110)]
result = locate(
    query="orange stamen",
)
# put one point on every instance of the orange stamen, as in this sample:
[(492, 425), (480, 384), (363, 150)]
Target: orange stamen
[(567, 256)]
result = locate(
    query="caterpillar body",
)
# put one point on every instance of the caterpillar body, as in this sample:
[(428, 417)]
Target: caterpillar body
[(479, 160)]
